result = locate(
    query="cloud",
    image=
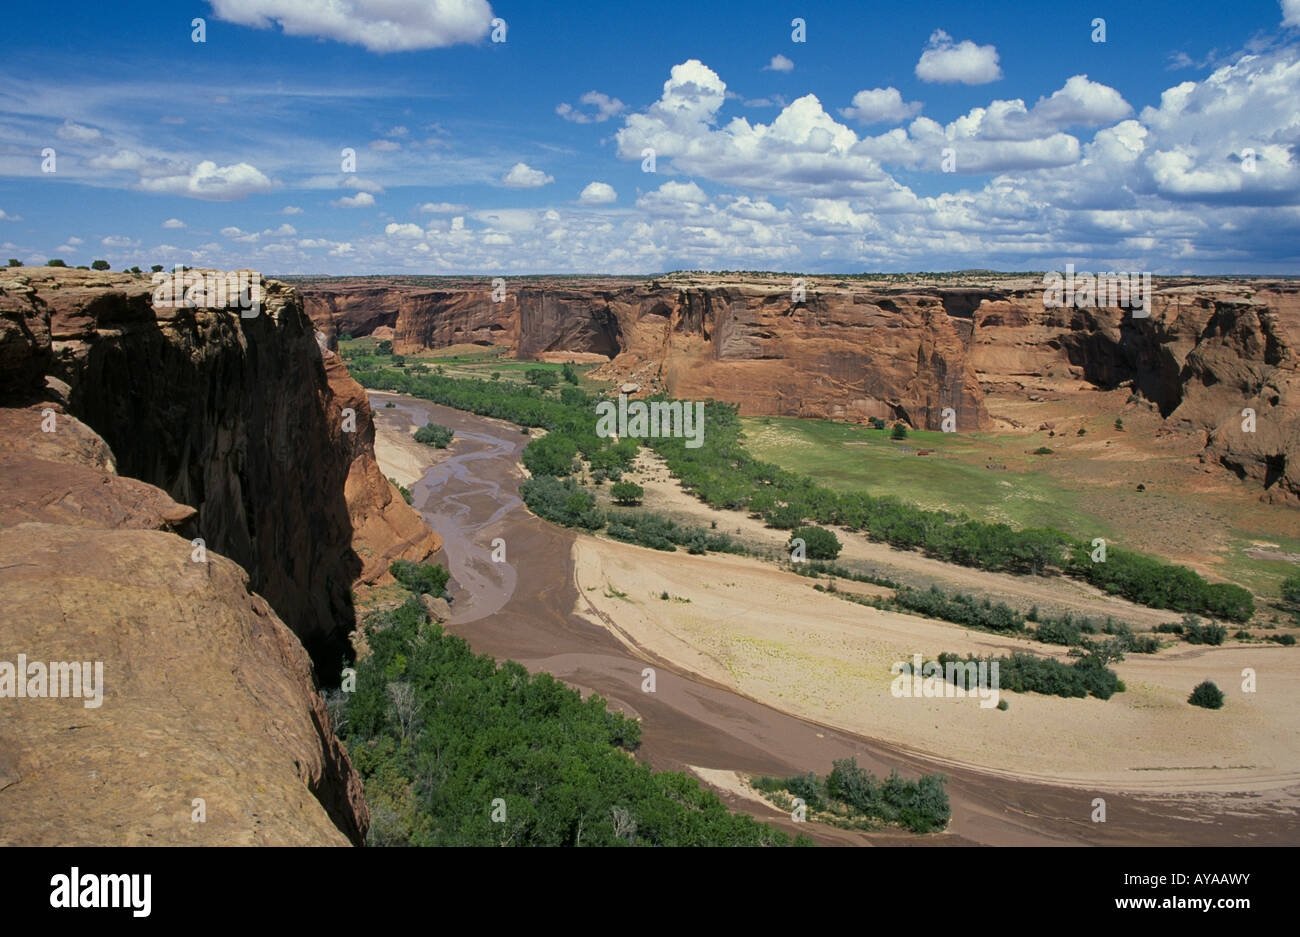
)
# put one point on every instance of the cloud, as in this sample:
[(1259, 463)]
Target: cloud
[(5, 216), (963, 62), (236, 234), (605, 108), (78, 133), (1005, 135), (211, 182), (284, 231), (598, 193), (385, 146), (441, 208), (803, 151), (522, 176), (291, 210), (173, 223), (377, 25), (405, 231), (779, 63), (118, 242), (673, 198), (880, 105), (1291, 12), (360, 200)]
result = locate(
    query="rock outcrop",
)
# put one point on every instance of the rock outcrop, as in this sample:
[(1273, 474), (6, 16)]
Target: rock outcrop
[(240, 418), (129, 432), (900, 349), (209, 728)]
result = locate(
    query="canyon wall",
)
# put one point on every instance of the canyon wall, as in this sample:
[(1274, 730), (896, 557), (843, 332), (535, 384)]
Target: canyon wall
[(128, 430), (905, 350)]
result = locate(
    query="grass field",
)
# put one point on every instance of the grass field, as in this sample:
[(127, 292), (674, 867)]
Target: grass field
[(1088, 492)]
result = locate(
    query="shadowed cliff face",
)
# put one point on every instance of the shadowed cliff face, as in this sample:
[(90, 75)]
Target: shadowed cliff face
[(241, 419), (1207, 351)]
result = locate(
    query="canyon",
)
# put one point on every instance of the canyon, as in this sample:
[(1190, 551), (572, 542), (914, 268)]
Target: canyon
[(191, 497), (898, 349)]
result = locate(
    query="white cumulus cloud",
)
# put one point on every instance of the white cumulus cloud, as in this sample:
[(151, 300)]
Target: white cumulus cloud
[(946, 61), (598, 193), (523, 176)]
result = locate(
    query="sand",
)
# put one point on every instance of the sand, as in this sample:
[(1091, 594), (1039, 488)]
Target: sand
[(769, 635)]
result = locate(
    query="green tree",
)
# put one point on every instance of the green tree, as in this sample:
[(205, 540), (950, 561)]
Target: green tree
[(99, 265), (819, 543), (156, 268), (55, 262), (568, 373), (14, 262), (1207, 696), (432, 434), (627, 493), (899, 431)]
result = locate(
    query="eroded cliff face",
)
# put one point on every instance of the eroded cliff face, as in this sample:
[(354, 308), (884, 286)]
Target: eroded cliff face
[(908, 351), (128, 430), (238, 417)]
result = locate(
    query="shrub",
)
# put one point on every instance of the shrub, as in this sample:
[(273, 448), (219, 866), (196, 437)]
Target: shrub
[(1196, 633), (420, 577), (1288, 640), (542, 377), (899, 431), (156, 268), (1207, 696), (1042, 450), (568, 373), (431, 434), (819, 543), (55, 263), (385, 347), (99, 265), (627, 493), (14, 262), (553, 454), (562, 503)]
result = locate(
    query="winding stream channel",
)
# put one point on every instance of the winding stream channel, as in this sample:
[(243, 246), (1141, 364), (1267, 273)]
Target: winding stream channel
[(528, 608)]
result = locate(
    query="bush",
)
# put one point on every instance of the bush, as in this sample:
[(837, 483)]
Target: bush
[(14, 262), (156, 268), (553, 454), (921, 806), (627, 493), (420, 578), (1042, 450), (568, 373), (55, 263), (542, 377), (99, 265), (1196, 633), (1207, 696), (384, 348), (899, 431), (431, 434), (562, 503), (819, 543)]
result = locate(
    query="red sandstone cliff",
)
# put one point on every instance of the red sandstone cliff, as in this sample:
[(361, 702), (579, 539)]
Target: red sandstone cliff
[(906, 350), (168, 424)]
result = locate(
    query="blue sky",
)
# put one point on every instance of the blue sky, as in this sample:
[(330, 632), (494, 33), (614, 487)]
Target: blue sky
[(525, 156)]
